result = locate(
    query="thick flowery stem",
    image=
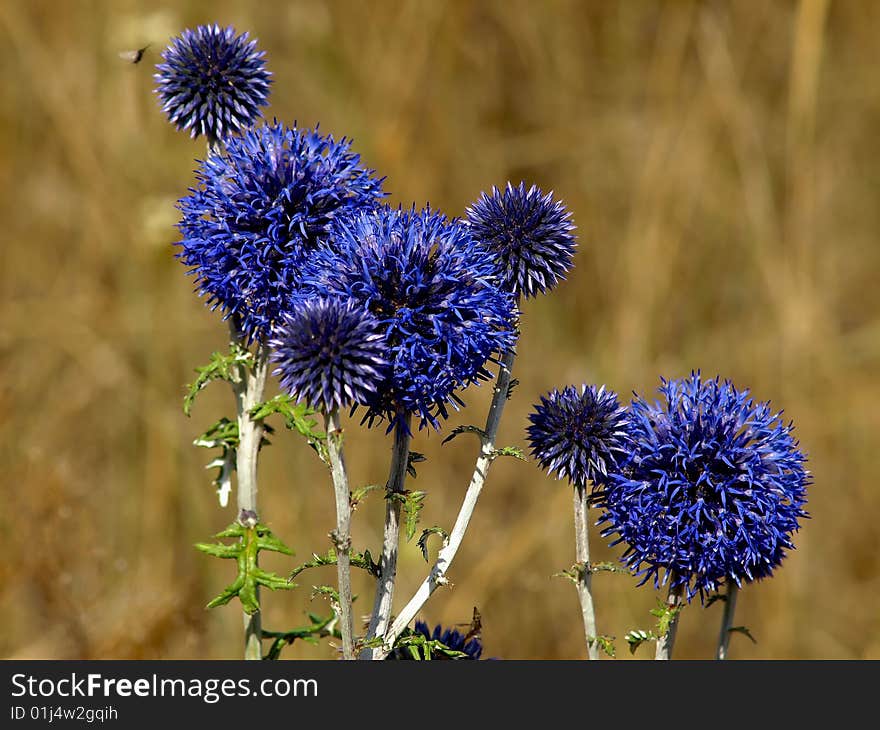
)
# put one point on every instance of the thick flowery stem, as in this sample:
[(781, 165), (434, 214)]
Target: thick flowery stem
[(248, 385), (673, 603), (341, 536), (727, 620), (388, 567), (437, 576), (585, 574)]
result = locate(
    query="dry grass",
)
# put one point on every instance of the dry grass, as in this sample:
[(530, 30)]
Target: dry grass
[(721, 163)]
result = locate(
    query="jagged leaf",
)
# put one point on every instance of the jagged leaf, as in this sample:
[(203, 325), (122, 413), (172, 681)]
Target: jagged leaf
[(665, 615), (359, 494), (412, 507), (513, 451), (483, 436), (719, 597), (319, 629), (250, 542), (363, 561), (221, 366), (573, 573), (297, 417), (605, 567), (606, 644), (328, 592), (637, 637), (744, 631), (423, 539), (414, 458)]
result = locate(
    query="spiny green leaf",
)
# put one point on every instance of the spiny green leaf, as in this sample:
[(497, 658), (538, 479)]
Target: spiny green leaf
[(218, 550), (297, 417), (720, 597), (637, 637), (319, 629), (606, 644), (665, 615), (423, 539), (421, 648), (328, 592), (513, 451), (412, 507), (744, 631), (605, 567), (414, 458), (250, 542), (221, 366), (222, 434), (230, 592), (363, 561), (359, 494), (267, 541), (467, 429), (573, 573), (510, 388), (316, 562)]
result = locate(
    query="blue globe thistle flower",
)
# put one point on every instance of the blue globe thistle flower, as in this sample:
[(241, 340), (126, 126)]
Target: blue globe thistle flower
[(212, 82), (713, 489), (578, 435), (529, 234), (435, 294), (329, 354), (450, 638), (260, 209)]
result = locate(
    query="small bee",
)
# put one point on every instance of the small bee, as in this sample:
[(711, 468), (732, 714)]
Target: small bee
[(134, 56)]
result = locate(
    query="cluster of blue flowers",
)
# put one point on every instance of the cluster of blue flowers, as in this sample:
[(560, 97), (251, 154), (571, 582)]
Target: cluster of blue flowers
[(413, 306), (397, 310), (705, 487)]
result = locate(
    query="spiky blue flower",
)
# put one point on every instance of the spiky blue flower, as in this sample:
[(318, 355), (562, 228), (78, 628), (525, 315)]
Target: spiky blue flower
[(453, 639), (212, 82), (529, 234), (330, 354), (435, 293), (578, 435), (713, 490), (259, 210)]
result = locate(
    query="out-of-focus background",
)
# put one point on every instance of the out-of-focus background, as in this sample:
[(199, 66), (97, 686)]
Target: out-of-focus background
[(721, 162)]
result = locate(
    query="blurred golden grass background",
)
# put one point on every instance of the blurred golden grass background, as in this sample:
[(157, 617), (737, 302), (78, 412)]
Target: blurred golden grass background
[(721, 162)]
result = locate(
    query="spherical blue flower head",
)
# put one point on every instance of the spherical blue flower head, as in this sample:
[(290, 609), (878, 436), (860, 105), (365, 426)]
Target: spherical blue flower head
[(212, 82), (259, 209), (529, 234), (578, 435), (435, 293), (713, 490), (329, 354), (450, 638)]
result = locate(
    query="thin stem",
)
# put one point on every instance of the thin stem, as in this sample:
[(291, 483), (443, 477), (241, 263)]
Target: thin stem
[(727, 620), (674, 603), (437, 576), (388, 573), (341, 536), (248, 385), (585, 573)]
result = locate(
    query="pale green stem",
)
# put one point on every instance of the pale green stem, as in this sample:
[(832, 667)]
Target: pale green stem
[(248, 385), (383, 604), (437, 576), (342, 535), (585, 573)]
